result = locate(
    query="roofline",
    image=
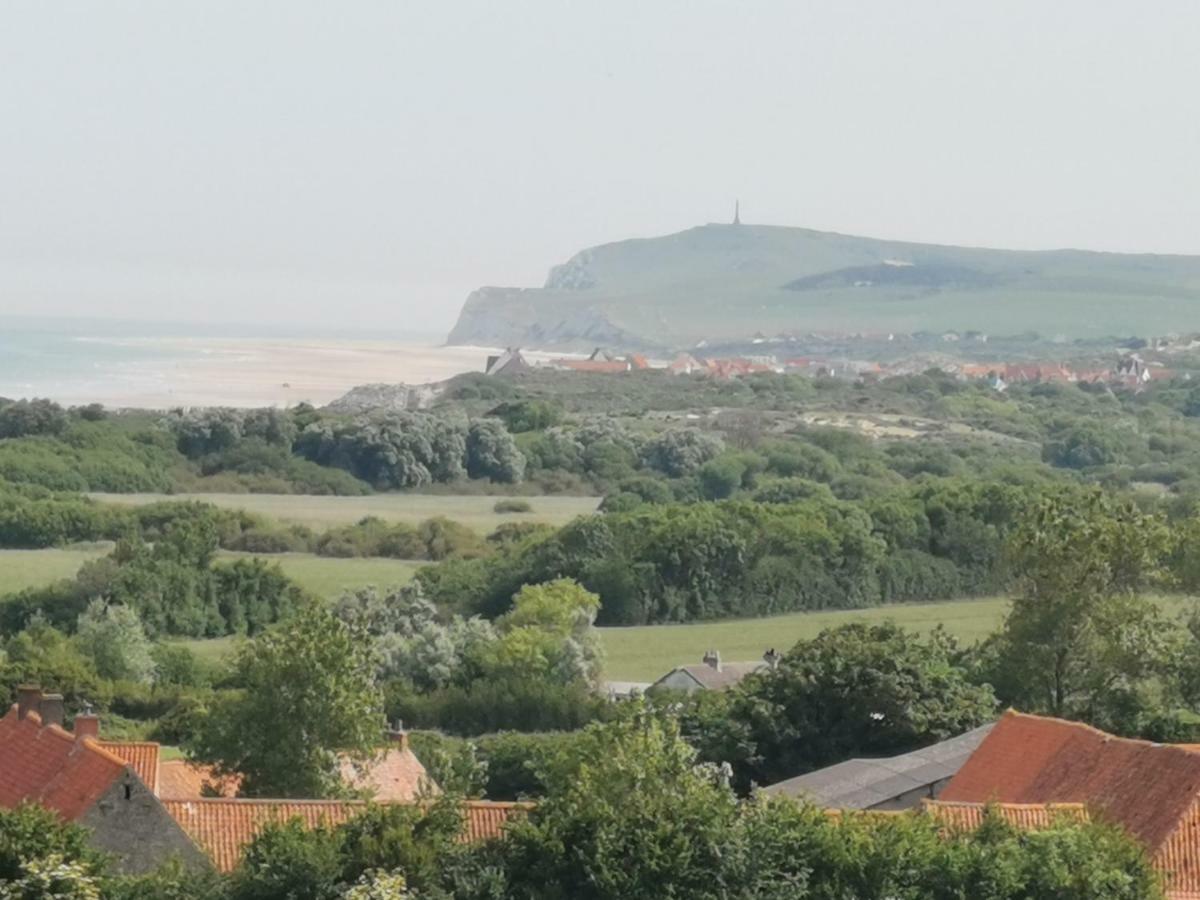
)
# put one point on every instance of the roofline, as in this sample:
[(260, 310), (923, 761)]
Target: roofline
[(1106, 735)]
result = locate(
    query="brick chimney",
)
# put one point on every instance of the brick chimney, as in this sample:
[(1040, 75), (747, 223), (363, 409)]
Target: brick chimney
[(29, 696), (87, 724), (51, 709), (397, 736), (712, 659)]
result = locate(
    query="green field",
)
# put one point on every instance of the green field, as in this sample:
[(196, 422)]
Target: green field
[(322, 575), (20, 569), (646, 652), (320, 512), (328, 576)]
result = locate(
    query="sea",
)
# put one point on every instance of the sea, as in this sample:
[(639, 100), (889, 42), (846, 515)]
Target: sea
[(77, 361)]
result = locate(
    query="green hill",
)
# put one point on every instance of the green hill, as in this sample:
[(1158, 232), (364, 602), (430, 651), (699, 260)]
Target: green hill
[(726, 282)]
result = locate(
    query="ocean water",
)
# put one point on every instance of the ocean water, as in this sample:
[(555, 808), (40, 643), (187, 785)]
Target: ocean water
[(162, 365), (69, 361)]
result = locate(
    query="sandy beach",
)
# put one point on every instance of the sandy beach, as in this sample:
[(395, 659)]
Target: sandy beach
[(249, 372)]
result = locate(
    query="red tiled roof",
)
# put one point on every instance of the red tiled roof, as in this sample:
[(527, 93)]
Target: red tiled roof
[(181, 779), (1148, 788), (49, 766), (141, 756), (1024, 816), (222, 827), (397, 776)]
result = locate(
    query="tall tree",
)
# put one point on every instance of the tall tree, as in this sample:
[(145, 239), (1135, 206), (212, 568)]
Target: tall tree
[(1078, 640), (306, 698)]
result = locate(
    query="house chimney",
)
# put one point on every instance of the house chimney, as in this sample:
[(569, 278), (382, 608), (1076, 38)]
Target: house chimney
[(28, 698), (712, 659), (51, 709), (397, 736), (87, 724)]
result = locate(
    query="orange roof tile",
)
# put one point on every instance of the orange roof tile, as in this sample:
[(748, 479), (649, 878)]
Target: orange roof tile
[(1024, 816), (181, 779), (141, 756), (222, 827), (1148, 788), (49, 766), (396, 776)]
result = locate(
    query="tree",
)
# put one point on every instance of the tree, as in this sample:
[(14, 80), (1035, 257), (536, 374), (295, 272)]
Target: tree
[(857, 690), (1078, 641), (590, 839), (548, 634), (111, 635), (29, 832), (492, 453), (306, 698)]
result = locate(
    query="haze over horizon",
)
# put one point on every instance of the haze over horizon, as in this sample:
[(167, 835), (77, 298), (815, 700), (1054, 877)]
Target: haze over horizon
[(375, 163)]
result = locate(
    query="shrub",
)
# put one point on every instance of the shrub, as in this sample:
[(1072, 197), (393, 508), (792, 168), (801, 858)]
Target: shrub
[(512, 505)]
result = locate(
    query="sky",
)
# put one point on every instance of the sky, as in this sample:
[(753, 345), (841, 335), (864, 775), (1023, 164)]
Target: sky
[(367, 164)]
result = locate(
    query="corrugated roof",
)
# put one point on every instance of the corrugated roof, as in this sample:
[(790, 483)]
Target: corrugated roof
[(49, 766), (1148, 788), (141, 756), (223, 827), (863, 783)]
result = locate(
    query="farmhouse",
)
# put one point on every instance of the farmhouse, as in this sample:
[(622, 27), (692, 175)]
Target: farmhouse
[(711, 674), (74, 775), (1151, 790), (897, 782)]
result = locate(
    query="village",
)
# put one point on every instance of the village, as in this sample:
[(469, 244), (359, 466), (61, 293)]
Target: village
[(1128, 369), (1034, 772)]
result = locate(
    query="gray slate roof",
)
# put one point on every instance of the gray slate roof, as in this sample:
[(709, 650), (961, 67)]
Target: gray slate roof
[(716, 679), (864, 783)]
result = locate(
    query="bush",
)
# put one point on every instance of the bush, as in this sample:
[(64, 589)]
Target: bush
[(512, 505)]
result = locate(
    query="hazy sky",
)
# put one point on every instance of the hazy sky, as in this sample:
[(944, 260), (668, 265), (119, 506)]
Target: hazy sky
[(369, 163)]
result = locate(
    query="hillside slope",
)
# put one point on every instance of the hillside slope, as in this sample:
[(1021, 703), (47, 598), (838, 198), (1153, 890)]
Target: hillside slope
[(725, 282)]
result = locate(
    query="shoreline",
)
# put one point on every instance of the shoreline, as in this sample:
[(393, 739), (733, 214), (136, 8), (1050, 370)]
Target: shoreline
[(244, 371)]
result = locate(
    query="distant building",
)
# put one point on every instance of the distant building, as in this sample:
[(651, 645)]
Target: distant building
[(710, 675), (685, 364), (508, 363), (897, 782)]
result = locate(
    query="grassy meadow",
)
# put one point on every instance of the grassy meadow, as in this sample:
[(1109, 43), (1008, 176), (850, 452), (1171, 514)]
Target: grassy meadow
[(322, 575), (645, 652), (20, 569), (320, 512)]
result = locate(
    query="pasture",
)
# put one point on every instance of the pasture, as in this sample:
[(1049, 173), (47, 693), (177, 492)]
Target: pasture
[(643, 653), (20, 569), (321, 575), (321, 512)]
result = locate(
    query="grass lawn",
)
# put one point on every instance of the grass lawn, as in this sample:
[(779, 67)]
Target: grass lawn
[(328, 576), (645, 652), (320, 512), (20, 569), (324, 576)]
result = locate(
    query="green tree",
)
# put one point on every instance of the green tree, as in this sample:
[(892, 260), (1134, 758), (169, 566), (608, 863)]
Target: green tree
[(548, 634), (857, 690), (628, 816), (111, 635), (306, 697), (1078, 641)]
